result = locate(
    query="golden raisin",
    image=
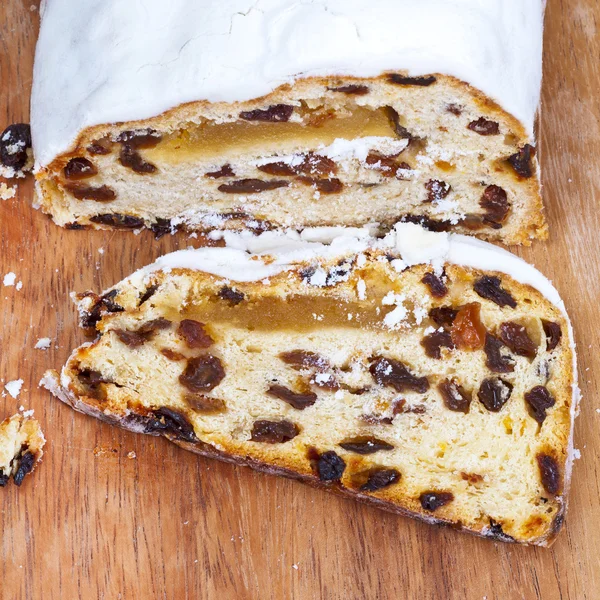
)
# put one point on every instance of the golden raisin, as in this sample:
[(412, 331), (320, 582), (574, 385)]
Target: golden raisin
[(468, 332)]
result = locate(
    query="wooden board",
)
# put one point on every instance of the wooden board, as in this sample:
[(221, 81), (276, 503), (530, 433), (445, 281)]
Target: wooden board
[(95, 523)]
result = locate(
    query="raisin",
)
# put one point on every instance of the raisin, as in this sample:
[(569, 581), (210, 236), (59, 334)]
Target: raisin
[(398, 79), (553, 334), (484, 127), (172, 355), (79, 168), (365, 445), (431, 501), (454, 396), (496, 362), (497, 532), (390, 372), (549, 473), (161, 227), (324, 186), (107, 303), (379, 479), (494, 393), (100, 147), (388, 165), (280, 169), (437, 190), (495, 203), (117, 220), (516, 338), (434, 343), (129, 157), (352, 89), (74, 226), (454, 109), (202, 373), (3, 479), (443, 315), (273, 432), (278, 113), (539, 400), (224, 171), (427, 223), (204, 404), (298, 401), (252, 186), (330, 466), (91, 378), (26, 464), (169, 422), (14, 142), (489, 288), (102, 193), (436, 285), (304, 359), (232, 296), (315, 164), (471, 477), (521, 161), (468, 332), (146, 332), (394, 119), (140, 138), (194, 334)]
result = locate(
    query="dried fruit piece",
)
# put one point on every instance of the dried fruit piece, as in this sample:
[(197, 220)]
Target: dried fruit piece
[(394, 119), (431, 501), (298, 401), (515, 336), (224, 171), (467, 331), (549, 473), (437, 190), (79, 168), (454, 396), (539, 400), (14, 143), (398, 79), (194, 334), (170, 422), (280, 169), (379, 479), (89, 192), (489, 288), (172, 355), (436, 285), (495, 203), (146, 332), (494, 393), (443, 316), (521, 161), (117, 220), (101, 147), (305, 359), (454, 109), (484, 127), (352, 89), (387, 371), (26, 465), (91, 378), (202, 373), (427, 222), (330, 466), (472, 478), (140, 138), (496, 362), (553, 334), (324, 186), (316, 165), (129, 157), (252, 186), (273, 432), (204, 404), (232, 296), (162, 227), (387, 165), (278, 113), (365, 445), (434, 343)]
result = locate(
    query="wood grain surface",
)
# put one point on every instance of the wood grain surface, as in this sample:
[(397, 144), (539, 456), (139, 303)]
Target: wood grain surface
[(96, 521)]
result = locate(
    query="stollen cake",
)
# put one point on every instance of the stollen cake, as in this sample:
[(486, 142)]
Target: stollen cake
[(430, 374), (232, 114), (21, 448)]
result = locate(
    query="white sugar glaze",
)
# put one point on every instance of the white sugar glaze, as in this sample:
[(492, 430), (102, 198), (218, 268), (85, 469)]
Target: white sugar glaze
[(109, 61)]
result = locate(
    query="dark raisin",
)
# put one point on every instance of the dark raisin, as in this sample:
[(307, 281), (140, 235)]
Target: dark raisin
[(468, 332), (427, 223), (202, 374), (380, 479), (365, 445), (434, 343), (436, 285), (398, 79), (298, 401), (489, 288), (315, 164), (26, 463), (401, 407), (100, 147), (74, 226), (252, 186), (89, 192), (516, 338), (521, 161), (91, 378), (146, 332), (304, 359), (140, 138), (278, 113), (497, 532), (549, 473), (553, 334), (273, 432), (324, 186), (484, 127), (437, 190), (352, 89), (224, 171), (495, 361), (539, 400), (471, 477), (80, 168), (388, 165), (161, 227), (129, 157), (3, 479), (169, 421), (117, 220), (194, 334), (204, 404), (232, 296), (494, 393), (280, 169), (431, 501), (454, 396), (14, 142), (443, 315), (387, 371), (172, 355), (330, 466), (394, 119), (495, 203), (454, 109)]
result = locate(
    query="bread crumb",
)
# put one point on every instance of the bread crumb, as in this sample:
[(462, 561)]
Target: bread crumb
[(100, 250), (14, 387), (19, 286), (131, 455), (43, 343), (7, 192), (295, 567)]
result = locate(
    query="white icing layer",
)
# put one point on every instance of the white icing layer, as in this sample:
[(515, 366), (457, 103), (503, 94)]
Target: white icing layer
[(113, 60)]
